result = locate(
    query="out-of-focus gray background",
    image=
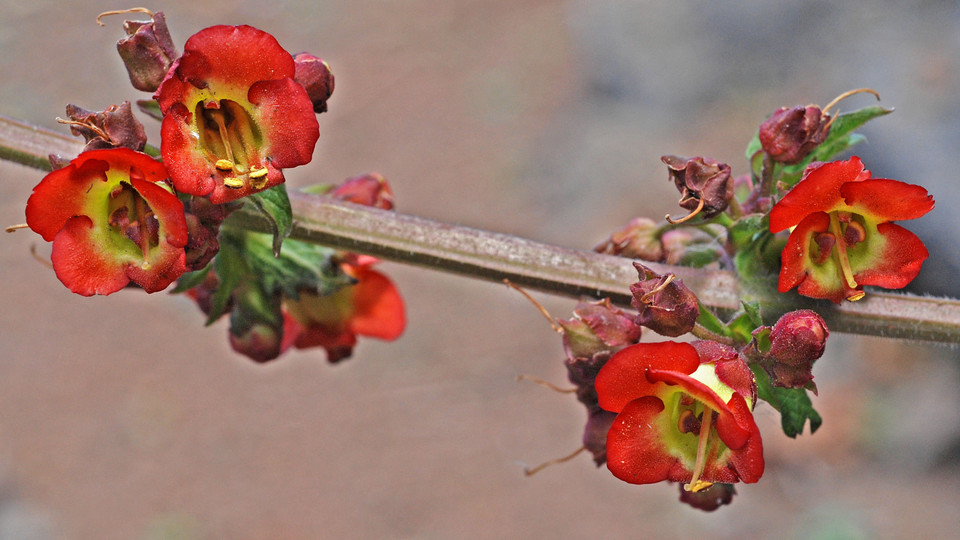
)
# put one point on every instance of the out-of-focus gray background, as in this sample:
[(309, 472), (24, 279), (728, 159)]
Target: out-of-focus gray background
[(125, 418)]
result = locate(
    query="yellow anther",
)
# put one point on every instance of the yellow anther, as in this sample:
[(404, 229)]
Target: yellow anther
[(224, 165), (697, 486), (258, 173), (857, 295), (233, 182)]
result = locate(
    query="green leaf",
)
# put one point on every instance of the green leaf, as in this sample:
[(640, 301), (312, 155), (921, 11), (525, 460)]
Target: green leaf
[(746, 231), (301, 266), (752, 311), (275, 206), (708, 320), (150, 108), (231, 272), (793, 403), (191, 279)]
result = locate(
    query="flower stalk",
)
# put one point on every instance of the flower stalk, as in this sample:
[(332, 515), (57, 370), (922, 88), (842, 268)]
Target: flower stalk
[(552, 269)]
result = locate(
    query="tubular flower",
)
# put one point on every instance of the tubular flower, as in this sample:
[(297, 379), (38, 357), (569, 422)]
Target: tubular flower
[(112, 220), (843, 237), (683, 415), (233, 114), (372, 307)]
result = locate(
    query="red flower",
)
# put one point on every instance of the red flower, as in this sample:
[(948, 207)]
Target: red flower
[(372, 307), (684, 415), (843, 237), (112, 219), (233, 114)]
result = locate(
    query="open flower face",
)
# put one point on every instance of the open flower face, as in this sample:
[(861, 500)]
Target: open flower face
[(683, 414), (112, 219), (843, 237), (372, 307), (233, 114)]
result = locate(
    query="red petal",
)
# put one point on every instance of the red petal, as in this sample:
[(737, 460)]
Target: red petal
[(899, 262), (889, 199), (747, 461), (286, 113), (636, 452), (82, 264), (379, 310), (624, 377), (232, 56), (190, 170), (818, 191)]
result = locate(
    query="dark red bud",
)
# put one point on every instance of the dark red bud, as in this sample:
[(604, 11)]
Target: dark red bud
[(708, 499), (597, 327), (789, 135), (147, 52), (316, 78), (799, 338), (595, 434), (664, 304), (260, 342), (701, 180), (203, 229), (368, 189)]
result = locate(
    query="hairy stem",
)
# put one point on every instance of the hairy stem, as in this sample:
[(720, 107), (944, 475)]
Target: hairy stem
[(553, 269)]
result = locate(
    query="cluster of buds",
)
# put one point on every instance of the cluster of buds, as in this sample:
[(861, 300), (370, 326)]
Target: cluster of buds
[(236, 109)]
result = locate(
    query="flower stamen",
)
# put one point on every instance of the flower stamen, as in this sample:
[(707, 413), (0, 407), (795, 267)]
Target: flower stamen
[(645, 299), (841, 252), (696, 484), (689, 216)]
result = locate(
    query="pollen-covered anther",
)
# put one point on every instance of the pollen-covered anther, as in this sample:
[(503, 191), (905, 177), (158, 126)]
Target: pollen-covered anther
[(233, 182), (224, 165), (258, 173)]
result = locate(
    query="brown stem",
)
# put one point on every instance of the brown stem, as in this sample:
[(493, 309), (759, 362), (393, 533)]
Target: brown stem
[(553, 269)]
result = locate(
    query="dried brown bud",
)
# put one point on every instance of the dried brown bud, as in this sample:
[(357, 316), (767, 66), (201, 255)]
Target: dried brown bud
[(111, 128), (638, 240), (203, 228), (259, 342), (147, 52), (789, 135), (315, 76), (664, 304), (595, 434), (702, 182)]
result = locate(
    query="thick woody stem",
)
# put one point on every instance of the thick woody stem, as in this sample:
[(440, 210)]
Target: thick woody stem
[(553, 269)]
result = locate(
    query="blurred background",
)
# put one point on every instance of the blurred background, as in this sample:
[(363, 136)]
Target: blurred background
[(125, 418)]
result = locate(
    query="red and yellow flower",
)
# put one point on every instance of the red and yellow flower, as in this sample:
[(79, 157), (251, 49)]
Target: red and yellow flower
[(112, 220), (233, 114), (843, 236), (684, 414), (372, 307)]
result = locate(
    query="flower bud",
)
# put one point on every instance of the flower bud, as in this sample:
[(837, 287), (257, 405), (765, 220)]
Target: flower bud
[(147, 52), (701, 181), (367, 189), (664, 304), (203, 228), (789, 135), (111, 128), (260, 342), (638, 240), (796, 341), (597, 327), (316, 78), (708, 499)]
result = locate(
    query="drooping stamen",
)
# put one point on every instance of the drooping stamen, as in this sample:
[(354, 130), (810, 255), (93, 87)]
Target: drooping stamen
[(847, 94), (123, 11), (527, 471), (550, 385), (17, 227), (142, 218), (696, 484), (841, 251), (543, 311), (645, 299), (224, 135), (689, 216), (102, 134)]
